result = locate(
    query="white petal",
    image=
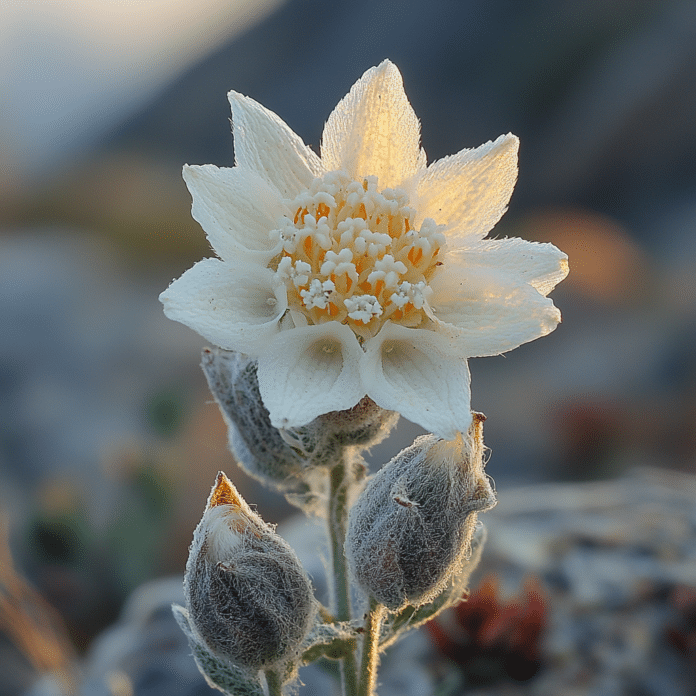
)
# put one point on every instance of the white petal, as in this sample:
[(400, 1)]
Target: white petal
[(237, 209), (541, 265), (374, 130), (420, 374), (469, 192), (308, 371), (234, 306), (266, 145), (488, 312)]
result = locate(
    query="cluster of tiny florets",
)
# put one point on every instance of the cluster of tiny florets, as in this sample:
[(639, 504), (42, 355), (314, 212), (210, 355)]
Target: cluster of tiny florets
[(352, 253)]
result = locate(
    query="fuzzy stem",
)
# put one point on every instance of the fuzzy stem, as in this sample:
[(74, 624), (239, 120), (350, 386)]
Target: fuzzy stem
[(341, 479), (370, 651), (274, 683)]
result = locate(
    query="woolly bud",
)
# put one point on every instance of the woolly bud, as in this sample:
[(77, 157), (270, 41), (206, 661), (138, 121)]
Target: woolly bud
[(281, 457), (259, 447), (364, 425), (410, 530), (247, 595)]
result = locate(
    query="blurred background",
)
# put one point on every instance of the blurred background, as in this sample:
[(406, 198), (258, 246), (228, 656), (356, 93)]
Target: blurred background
[(109, 441)]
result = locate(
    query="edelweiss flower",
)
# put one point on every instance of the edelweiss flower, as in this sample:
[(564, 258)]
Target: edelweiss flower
[(363, 271)]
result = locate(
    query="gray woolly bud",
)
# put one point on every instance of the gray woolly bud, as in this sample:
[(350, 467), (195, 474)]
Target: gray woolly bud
[(247, 595), (364, 425), (280, 458), (258, 447), (410, 530)]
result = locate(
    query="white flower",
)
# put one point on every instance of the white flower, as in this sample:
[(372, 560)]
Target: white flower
[(363, 271)]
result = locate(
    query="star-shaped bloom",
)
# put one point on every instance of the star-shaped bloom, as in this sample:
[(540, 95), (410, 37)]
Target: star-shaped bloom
[(363, 271)]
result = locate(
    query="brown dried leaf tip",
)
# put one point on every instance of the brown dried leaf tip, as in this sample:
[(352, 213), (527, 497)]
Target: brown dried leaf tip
[(224, 493), (491, 638)]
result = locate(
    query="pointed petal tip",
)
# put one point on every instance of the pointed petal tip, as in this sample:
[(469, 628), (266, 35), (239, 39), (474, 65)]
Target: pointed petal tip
[(237, 100), (386, 66), (233, 96), (202, 172), (386, 70), (506, 143), (165, 298), (192, 171), (391, 72)]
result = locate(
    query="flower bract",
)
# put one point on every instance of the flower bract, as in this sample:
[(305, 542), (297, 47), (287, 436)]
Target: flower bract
[(362, 271)]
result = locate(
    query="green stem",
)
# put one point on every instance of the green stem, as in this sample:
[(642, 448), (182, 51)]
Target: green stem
[(338, 514), (349, 675), (341, 479), (274, 682), (370, 651)]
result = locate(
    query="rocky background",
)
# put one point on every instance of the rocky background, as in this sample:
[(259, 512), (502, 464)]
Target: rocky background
[(109, 442)]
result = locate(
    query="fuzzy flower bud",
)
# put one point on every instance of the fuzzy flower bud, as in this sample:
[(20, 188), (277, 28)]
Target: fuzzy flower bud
[(410, 530), (247, 595), (258, 446), (279, 458), (364, 425)]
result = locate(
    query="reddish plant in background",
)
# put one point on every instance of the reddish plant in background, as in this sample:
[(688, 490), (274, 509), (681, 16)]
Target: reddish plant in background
[(682, 633), (491, 638)]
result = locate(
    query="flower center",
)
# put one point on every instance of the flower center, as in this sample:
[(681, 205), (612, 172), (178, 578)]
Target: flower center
[(351, 254)]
